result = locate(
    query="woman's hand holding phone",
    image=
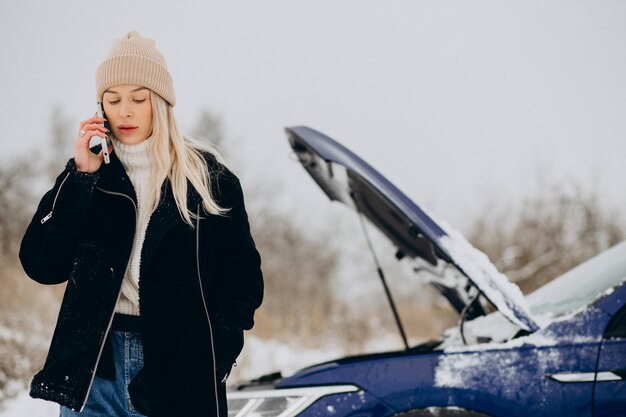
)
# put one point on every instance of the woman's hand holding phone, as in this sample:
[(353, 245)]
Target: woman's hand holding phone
[(87, 161)]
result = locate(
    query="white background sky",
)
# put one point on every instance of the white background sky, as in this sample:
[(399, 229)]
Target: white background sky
[(456, 102)]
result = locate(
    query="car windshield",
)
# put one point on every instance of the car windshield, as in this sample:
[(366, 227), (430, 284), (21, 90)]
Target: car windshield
[(582, 285)]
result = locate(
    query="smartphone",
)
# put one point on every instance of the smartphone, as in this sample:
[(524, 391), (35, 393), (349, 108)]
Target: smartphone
[(104, 142)]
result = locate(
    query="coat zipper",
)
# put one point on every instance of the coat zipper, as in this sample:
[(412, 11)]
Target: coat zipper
[(54, 203), (206, 310), (112, 315)]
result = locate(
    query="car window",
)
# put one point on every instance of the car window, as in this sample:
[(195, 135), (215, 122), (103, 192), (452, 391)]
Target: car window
[(617, 326), (581, 285)]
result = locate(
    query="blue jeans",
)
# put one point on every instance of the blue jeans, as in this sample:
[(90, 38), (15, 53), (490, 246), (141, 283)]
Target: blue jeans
[(110, 398)]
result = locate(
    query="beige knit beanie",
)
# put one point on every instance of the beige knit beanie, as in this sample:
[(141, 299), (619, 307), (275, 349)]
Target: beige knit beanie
[(135, 60)]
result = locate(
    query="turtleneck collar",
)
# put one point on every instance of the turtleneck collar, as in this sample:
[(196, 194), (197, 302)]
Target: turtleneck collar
[(136, 156)]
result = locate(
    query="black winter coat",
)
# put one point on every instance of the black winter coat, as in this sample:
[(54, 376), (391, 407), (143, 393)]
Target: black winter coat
[(199, 287)]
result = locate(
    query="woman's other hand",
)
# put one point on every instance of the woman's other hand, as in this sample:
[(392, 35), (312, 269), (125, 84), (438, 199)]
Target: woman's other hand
[(87, 161)]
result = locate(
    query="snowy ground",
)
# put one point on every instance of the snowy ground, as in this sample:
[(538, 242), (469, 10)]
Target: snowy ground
[(23, 406), (259, 357)]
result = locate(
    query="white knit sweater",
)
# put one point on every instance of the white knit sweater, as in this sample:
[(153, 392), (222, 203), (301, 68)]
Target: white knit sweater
[(137, 162)]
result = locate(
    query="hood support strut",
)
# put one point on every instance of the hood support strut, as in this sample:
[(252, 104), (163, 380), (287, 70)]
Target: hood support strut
[(381, 274)]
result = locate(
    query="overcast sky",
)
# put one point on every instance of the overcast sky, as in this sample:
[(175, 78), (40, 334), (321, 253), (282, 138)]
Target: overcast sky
[(456, 102)]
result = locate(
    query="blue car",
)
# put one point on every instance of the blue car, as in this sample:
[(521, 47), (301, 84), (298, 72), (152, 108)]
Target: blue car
[(560, 351)]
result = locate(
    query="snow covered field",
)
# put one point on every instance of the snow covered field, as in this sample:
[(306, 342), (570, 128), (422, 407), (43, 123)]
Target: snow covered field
[(23, 406)]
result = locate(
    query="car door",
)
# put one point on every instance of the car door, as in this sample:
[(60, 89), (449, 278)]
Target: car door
[(610, 379)]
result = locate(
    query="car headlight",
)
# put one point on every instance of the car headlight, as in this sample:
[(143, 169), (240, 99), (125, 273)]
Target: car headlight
[(279, 402)]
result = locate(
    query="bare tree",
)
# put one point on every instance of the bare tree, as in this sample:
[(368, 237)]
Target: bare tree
[(25, 307), (299, 271), (548, 234), (60, 142), (209, 128), (16, 202)]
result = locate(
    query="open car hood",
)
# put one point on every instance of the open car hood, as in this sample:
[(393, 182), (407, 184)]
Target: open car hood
[(442, 255)]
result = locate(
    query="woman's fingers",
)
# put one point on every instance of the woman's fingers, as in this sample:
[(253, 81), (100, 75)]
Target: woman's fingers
[(92, 120), (86, 160), (95, 132), (92, 126), (84, 140)]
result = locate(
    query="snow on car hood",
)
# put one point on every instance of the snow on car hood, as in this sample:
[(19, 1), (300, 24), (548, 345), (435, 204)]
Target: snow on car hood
[(451, 264)]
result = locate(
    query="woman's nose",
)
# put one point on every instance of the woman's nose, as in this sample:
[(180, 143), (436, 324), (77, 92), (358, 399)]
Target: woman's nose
[(125, 111)]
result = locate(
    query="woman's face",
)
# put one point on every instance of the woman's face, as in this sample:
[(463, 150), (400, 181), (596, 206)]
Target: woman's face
[(128, 109)]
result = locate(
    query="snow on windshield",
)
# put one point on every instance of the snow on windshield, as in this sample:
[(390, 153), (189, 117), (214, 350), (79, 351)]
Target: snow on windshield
[(582, 285)]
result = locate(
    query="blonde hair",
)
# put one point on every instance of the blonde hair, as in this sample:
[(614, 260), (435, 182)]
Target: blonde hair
[(179, 158)]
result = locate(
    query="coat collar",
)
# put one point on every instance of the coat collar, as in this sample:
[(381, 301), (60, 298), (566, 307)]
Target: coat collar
[(113, 177), (164, 218)]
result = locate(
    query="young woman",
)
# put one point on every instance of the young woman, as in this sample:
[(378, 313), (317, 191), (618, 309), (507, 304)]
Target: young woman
[(162, 273)]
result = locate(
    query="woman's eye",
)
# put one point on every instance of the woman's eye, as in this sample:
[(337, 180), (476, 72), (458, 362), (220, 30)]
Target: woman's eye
[(114, 102), (140, 101)]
